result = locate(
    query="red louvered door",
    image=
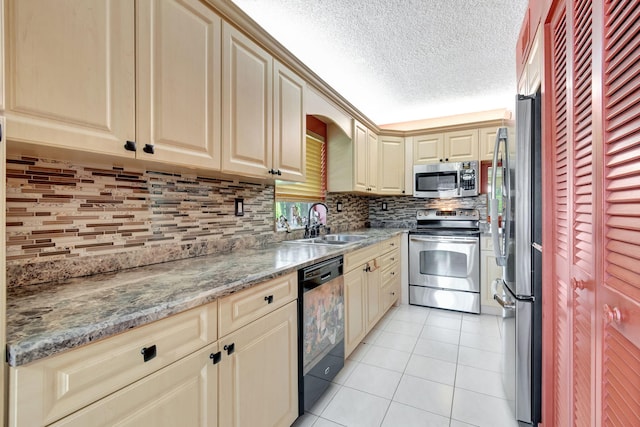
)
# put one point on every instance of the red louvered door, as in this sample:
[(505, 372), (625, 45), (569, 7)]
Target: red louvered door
[(582, 197), (618, 296), (561, 221)]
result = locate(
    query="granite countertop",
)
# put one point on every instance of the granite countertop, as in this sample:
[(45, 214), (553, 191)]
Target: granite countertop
[(46, 319)]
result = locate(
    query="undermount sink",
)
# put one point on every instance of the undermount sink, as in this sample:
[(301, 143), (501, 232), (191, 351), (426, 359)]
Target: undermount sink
[(330, 239)]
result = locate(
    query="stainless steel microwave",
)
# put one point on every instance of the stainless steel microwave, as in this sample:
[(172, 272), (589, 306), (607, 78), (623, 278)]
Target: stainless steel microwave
[(445, 180)]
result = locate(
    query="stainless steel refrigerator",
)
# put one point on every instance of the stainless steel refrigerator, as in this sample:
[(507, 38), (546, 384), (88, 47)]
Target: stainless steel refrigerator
[(516, 228)]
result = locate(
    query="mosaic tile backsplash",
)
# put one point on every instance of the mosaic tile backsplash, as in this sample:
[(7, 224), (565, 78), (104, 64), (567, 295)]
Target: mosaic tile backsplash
[(66, 220)]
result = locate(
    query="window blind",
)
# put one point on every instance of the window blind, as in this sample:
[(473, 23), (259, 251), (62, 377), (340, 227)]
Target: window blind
[(314, 187)]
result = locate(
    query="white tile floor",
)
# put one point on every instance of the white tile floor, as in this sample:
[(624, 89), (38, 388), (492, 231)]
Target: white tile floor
[(420, 367)]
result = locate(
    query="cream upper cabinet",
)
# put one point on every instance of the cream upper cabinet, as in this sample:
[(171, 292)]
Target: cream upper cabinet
[(247, 97), (2, 25), (365, 167), (263, 115), (372, 163), (70, 73), (455, 146), (530, 77), (182, 394), (428, 148), (487, 142), (461, 145), (259, 372), (178, 82), (534, 65), (391, 165), (360, 143), (289, 124)]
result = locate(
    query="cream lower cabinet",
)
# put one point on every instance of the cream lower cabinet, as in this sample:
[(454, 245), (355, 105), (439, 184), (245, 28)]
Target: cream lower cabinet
[(47, 390), (182, 394), (489, 271), (370, 274), (259, 372), (355, 299), (176, 372)]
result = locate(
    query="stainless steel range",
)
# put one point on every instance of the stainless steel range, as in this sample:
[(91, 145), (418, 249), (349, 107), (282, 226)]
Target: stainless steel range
[(444, 260)]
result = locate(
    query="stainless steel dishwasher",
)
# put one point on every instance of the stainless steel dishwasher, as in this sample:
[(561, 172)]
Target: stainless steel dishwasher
[(320, 328)]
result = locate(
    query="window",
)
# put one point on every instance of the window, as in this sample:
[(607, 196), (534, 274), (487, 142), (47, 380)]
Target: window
[(293, 200)]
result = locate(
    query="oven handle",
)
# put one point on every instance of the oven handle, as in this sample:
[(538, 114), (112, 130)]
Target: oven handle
[(448, 239)]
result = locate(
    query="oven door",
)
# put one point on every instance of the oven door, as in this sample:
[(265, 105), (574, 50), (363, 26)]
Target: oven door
[(445, 262)]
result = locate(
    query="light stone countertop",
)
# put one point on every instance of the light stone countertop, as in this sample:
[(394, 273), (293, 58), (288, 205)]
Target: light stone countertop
[(46, 319)]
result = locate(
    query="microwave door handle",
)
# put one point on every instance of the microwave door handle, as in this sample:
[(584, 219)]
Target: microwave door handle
[(501, 136)]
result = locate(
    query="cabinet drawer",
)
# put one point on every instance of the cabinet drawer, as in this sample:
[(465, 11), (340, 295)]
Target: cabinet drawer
[(49, 389), (359, 257), (390, 244), (391, 257), (242, 308), (390, 273), (182, 394)]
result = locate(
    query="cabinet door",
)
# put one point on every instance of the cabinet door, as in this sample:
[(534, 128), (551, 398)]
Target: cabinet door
[(247, 95), (355, 298), (428, 149), (2, 62), (259, 372), (178, 82), (182, 394), (360, 142), (374, 297), (490, 272), (372, 161), (534, 65), (391, 165), (289, 124), (461, 145), (70, 74), (488, 142)]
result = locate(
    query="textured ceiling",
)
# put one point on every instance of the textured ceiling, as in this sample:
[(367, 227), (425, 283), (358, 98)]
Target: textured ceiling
[(402, 60)]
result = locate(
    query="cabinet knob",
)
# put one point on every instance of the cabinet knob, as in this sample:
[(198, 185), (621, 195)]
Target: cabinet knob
[(230, 348), (279, 172), (446, 160), (216, 357), (130, 146), (269, 299), (612, 314), (148, 353), (148, 148)]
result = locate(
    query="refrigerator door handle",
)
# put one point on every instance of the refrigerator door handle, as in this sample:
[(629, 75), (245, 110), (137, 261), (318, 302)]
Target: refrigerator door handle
[(500, 248), (496, 296)]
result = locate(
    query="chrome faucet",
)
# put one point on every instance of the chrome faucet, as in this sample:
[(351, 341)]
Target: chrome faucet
[(313, 230)]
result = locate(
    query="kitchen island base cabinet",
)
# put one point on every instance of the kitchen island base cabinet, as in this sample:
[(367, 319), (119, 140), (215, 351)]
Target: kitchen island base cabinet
[(259, 379), (178, 395)]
